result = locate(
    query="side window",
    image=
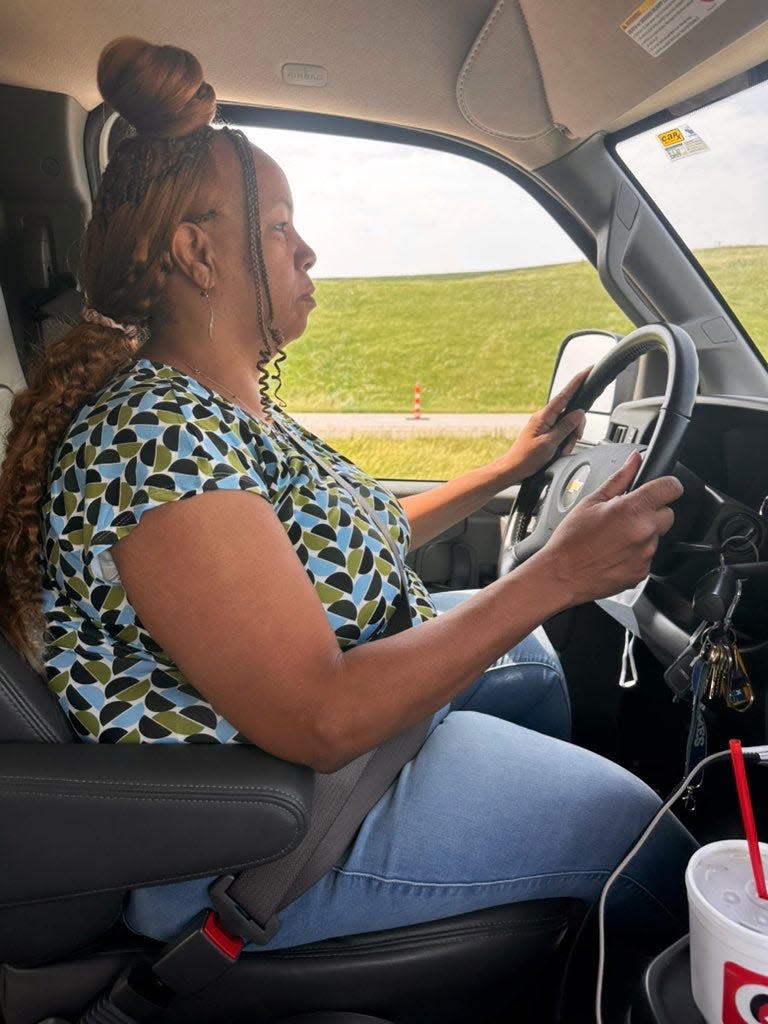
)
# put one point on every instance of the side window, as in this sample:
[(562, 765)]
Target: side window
[(443, 294)]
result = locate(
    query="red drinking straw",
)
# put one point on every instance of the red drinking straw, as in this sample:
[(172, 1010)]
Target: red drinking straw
[(748, 817)]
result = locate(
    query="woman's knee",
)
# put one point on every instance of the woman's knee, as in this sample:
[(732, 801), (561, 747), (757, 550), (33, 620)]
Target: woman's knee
[(527, 687), (534, 649)]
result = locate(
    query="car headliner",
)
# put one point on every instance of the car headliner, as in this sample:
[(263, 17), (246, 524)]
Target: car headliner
[(529, 79)]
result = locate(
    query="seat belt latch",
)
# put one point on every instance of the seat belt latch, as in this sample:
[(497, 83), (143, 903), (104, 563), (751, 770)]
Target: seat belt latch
[(234, 919), (203, 952)]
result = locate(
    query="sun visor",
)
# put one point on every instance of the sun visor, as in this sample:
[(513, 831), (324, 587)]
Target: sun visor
[(500, 88), (545, 66)]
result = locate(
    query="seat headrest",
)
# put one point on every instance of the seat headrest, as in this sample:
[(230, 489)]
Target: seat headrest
[(59, 314)]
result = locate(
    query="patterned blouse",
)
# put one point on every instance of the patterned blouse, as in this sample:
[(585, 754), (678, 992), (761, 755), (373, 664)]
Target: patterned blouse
[(154, 435)]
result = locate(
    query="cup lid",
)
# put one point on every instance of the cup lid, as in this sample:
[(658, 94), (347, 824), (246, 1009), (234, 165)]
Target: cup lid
[(720, 881)]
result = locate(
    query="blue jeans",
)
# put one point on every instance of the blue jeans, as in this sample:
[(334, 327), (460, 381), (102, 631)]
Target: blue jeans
[(495, 808)]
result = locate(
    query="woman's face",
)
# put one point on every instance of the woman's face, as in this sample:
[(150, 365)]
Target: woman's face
[(287, 257)]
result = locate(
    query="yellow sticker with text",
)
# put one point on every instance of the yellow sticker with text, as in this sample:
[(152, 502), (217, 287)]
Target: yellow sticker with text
[(673, 137)]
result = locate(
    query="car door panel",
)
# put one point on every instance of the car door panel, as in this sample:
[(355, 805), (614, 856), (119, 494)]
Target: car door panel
[(465, 556)]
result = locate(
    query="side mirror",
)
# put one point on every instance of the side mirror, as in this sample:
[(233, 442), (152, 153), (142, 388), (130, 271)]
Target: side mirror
[(578, 351)]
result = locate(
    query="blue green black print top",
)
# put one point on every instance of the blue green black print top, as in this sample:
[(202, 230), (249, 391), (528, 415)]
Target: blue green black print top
[(154, 435)]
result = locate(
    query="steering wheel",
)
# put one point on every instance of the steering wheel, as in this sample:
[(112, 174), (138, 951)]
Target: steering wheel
[(548, 496)]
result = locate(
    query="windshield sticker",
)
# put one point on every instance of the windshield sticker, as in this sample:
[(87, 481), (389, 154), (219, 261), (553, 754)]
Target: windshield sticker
[(658, 24), (681, 142)]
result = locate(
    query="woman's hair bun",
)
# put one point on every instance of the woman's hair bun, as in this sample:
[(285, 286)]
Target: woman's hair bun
[(160, 90)]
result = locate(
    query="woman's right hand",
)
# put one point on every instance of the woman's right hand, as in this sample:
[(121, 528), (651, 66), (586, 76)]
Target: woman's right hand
[(607, 542)]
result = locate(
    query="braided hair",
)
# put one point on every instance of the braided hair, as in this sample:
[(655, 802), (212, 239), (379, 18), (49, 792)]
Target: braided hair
[(156, 179), (269, 332)]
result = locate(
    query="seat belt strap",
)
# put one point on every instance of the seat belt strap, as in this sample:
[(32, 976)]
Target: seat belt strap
[(376, 778), (248, 904)]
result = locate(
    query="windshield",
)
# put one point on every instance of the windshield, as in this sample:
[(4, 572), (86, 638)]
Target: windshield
[(707, 173)]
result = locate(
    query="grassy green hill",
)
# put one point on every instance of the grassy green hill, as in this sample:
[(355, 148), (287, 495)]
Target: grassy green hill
[(741, 274), (475, 342)]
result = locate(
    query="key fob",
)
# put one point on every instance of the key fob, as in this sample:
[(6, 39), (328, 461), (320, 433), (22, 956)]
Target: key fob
[(678, 675)]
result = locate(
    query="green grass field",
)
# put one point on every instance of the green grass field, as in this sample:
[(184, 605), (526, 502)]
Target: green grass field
[(475, 342), (421, 458), (741, 275)]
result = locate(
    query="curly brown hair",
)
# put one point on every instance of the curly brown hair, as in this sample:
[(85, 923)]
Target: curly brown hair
[(157, 178)]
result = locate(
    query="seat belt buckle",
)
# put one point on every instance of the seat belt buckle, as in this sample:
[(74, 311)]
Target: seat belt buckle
[(204, 951), (234, 919)]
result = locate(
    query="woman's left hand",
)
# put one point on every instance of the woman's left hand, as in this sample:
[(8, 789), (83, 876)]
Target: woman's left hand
[(546, 431)]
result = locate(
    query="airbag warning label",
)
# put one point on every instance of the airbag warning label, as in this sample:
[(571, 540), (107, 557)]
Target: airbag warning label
[(658, 24)]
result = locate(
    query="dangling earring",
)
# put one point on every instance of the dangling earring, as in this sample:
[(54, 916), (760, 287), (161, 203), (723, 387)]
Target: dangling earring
[(204, 294)]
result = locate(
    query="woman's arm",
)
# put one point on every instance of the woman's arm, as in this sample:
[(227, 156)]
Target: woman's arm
[(218, 584), (440, 507)]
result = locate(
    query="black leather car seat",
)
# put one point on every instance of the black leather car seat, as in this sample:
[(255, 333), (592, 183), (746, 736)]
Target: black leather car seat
[(83, 823)]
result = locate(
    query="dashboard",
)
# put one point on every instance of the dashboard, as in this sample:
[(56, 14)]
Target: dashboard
[(723, 463), (726, 444)]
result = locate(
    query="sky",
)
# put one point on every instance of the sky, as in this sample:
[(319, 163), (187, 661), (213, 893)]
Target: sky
[(717, 197), (378, 208)]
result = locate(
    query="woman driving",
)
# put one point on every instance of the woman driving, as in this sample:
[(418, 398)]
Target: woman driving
[(188, 564)]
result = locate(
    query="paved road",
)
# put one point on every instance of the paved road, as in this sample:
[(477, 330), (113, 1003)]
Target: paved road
[(350, 424)]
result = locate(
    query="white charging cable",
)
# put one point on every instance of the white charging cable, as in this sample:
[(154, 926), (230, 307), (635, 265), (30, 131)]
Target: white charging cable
[(752, 755)]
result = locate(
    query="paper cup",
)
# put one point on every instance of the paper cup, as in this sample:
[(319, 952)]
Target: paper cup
[(729, 934)]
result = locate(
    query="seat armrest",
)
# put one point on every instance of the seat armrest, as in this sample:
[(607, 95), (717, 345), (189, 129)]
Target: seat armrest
[(84, 818)]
